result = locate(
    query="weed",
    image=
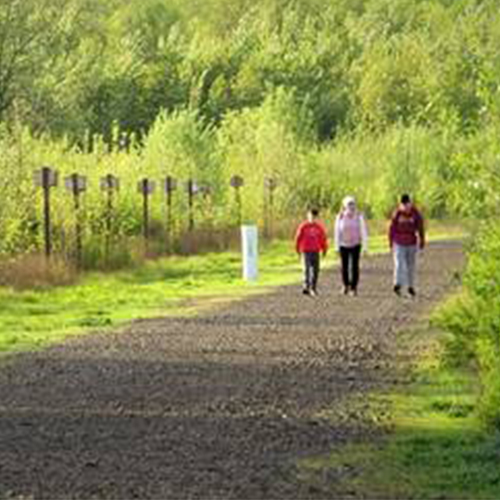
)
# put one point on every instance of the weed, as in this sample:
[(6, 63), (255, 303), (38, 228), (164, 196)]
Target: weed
[(36, 272)]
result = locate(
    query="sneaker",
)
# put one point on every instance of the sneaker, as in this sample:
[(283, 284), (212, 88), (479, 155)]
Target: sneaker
[(313, 293), (397, 290), (306, 291), (354, 292), (412, 292), (344, 290)]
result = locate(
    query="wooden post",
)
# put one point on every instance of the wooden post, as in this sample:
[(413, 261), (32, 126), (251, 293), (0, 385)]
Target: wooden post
[(46, 178), (109, 184), (192, 189), (77, 184), (170, 187), (146, 188), (46, 212), (237, 182), (270, 184)]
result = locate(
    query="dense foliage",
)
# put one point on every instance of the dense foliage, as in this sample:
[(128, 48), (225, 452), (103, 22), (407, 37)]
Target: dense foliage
[(366, 96), (74, 66), (473, 319)]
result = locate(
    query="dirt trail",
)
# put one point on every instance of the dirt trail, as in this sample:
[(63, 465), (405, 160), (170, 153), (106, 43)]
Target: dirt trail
[(222, 405)]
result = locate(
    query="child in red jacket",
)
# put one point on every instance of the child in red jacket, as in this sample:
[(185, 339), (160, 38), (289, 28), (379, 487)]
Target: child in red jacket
[(311, 240)]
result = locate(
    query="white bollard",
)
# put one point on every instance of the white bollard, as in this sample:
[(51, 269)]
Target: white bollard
[(250, 247)]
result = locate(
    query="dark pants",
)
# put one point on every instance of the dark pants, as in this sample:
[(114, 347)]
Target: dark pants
[(311, 266), (350, 266)]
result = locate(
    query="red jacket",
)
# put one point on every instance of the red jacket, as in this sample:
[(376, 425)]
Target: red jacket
[(407, 228), (311, 237)]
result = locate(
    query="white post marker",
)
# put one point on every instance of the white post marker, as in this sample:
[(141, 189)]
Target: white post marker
[(250, 246)]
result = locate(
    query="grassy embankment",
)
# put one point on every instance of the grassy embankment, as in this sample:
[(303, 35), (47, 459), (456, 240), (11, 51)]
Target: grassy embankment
[(32, 319), (438, 445)]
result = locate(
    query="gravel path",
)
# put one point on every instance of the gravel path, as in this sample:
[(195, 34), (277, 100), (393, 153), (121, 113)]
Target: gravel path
[(222, 405)]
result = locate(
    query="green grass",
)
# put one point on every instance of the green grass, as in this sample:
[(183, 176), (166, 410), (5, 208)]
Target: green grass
[(169, 286), (437, 447)]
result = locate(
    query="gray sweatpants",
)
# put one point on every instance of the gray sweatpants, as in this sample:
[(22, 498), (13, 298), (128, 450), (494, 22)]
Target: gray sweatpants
[(405, 259)]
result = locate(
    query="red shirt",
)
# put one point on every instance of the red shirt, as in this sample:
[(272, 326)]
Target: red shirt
[(311, 237), (407, 228)]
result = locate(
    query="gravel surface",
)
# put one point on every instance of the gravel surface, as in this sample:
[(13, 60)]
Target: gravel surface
[(221, 405)]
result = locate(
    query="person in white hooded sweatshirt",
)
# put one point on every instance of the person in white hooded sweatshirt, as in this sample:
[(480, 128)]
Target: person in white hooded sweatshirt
[(351, 238)]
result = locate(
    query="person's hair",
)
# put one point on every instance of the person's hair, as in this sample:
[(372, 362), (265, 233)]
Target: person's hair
[(405, 199), (314, 212)]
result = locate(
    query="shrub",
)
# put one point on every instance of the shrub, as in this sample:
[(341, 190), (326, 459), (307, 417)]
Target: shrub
[(473, 319)]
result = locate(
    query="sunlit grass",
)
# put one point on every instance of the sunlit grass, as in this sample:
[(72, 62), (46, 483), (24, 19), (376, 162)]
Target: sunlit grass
[(169, 286), (436, 448)]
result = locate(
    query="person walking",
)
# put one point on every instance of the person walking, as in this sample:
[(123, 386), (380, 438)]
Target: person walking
[(406, 236), (351, 237), (311, 241)]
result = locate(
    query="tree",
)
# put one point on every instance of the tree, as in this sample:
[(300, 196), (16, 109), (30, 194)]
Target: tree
[(36, 36)]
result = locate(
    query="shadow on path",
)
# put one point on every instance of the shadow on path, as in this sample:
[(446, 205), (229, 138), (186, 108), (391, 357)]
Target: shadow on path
[(217, 406)]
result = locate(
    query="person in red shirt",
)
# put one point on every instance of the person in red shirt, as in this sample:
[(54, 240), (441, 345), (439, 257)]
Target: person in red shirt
[(311, 241), (406, 236)]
